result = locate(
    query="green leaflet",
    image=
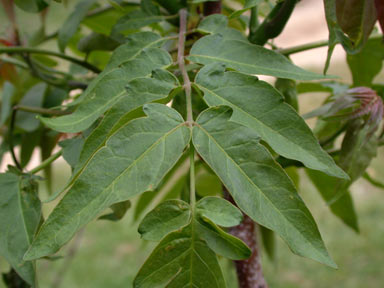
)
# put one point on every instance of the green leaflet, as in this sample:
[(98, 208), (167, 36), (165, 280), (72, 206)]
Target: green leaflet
[(20, 214), (259, 106), (366, 64), (220, 242), (181, 259), (137, 58), (72, 149), (34, 98), (72, 22), (257, 183), (118, 211), (247, 5), (247, 58), (185, 256), (133, 45), (96, 41), (165, 218), (356, 18), (336, 35), (219, 211), (170, 187), (138, 92), (218, 23), (134, 160), (207, 183)]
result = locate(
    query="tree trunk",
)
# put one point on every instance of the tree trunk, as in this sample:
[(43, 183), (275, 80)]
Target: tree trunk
[(249, 271)]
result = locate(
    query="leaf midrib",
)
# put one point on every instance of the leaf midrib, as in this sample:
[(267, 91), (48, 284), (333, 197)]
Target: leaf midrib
[(221, 60), (253, 184), (21, 211), (260, 122), (118, 67), (113, 182)]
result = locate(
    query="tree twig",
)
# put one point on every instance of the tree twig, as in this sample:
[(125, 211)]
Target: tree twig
[(21, 50), (249, 271), (181, 63), (46, 162), (10, 140), (41, 110)]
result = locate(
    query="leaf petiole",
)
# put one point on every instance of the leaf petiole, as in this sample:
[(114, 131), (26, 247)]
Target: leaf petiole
[(46, 162)]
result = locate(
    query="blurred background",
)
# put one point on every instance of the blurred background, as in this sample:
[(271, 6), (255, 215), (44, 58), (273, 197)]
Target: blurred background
[(109, 254)]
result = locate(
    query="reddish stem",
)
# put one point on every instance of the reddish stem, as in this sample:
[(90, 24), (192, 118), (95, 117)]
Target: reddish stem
[(249, 271)]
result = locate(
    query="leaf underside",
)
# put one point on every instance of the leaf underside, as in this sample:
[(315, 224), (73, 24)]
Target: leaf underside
[(257, 183), (134, 160)]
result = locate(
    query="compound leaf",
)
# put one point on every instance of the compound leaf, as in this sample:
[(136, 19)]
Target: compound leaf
[(134, 160), (366, 64), (259, 106), (181, 259), (219, 211), (133, 60), (221, 242), (246, 57), (20, 215), (165, 218), (72, 22), (257, 183)]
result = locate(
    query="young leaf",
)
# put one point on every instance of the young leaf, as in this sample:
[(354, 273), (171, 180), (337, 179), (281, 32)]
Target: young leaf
[(72, 22), (257, 183), (118, 211), (129, 62), (218, 23), (366, 64), (246, 57), (96, 41), (356, 18), (207, 183), (259, 106), (34, 98), (165, 218), (72, 149), (247, 5), (219, 241), (139, 92), (181, 259), (219, 211), (134, 160), (336, 35), (170, 187), (20, 215)]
